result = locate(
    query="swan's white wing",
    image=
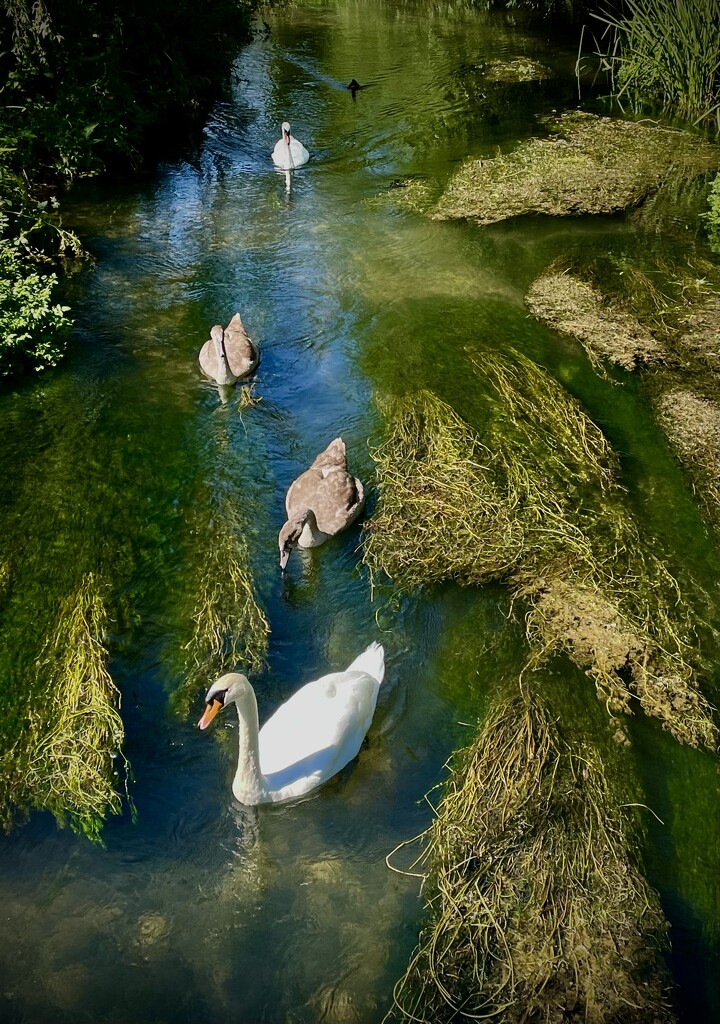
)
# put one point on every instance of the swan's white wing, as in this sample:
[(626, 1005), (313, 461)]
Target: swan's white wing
[(280, 155), (299, 154), (318, 730), (288, 157)]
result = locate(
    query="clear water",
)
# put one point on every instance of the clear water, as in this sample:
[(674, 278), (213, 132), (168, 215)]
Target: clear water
[(202, 910)]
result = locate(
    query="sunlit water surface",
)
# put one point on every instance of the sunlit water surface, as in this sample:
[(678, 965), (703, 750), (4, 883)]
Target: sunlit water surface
[(202, 910)]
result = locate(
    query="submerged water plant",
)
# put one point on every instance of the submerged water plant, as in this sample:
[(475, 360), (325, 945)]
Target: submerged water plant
[(229, 629), (68, 757), (537, 908), (537, 505), (442, 514)]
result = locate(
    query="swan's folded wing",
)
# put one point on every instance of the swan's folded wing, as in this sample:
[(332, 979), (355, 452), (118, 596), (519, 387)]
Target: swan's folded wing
[(241, 353), (321, 727), (334, 456), (337, 502), (302, 492)]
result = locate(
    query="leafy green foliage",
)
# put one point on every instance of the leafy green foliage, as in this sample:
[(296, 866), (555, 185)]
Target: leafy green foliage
[(32, 326), (712, 217), (90, 83), (85, 87), (667, 52)]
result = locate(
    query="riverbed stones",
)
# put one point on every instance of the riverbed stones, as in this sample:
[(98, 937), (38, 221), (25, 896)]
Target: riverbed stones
[(585, 164), (606, 332)]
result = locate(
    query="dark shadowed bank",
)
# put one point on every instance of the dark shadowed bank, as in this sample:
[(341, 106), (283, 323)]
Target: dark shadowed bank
[(88, 88), (106, 85)]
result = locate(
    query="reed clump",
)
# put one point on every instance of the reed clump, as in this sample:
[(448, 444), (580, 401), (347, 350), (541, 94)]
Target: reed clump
[(666, 52), (536, 505), (537, 909), (70, 754), (229, 629)]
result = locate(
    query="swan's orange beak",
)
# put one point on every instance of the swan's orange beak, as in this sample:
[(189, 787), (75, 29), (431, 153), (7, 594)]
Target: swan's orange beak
[(210, 711)]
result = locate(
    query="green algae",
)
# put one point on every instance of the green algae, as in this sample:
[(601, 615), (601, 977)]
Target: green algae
[(586, 165), (536, 504), (537, 909)]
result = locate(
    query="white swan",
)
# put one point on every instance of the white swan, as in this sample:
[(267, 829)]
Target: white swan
[(309, 738), (229, 354), (324, 500), (288, 152)]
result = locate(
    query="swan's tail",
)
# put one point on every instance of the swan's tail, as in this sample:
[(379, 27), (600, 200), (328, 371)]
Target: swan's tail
[(371, 661)]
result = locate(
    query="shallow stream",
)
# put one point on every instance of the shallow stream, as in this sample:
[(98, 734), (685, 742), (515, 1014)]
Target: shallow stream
[(201, 910)]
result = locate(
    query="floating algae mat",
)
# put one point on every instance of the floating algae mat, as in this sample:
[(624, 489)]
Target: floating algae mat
[(66, 758), (229, 630), (604, 329), (692, 424), (537, 910), (634, 313), (588, 164), (535, 503)]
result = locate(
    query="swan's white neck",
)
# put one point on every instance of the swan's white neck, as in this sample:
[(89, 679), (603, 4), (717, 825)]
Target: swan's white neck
[(224, 374), (249, 784)]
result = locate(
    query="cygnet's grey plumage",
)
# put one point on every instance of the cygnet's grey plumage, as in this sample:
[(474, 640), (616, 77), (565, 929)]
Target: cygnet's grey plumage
[(324, 500), (229, 354)]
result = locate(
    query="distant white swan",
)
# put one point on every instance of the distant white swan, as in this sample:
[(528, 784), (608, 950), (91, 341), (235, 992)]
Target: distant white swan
[(310, 737), (288, 152)]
